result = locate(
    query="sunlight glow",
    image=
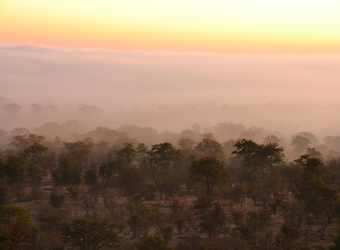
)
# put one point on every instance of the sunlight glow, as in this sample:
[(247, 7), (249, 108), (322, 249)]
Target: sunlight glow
[(298, 26)]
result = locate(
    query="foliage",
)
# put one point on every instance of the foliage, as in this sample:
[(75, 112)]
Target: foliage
[(91, 177), (336, 238), (210, 172), (255, 222), (154, 242), (164, 155), (132, 181), (211, 215), (14, 170), (238, 193), (78, 152), (4, 199), (290, 231), (127, 153), (209, 148), (181, 215), (17, 227), (50, 218), (139, 219), (166, 232), (66, 174), (89, 234), (57, 200)]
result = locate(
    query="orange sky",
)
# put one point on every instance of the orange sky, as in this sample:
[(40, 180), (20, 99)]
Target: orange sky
[(218, 26)]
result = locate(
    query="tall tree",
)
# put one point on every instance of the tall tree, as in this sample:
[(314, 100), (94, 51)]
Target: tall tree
[(211, 215), (14, 170), (17, 227), (127, 153), (164, 155), (210, 148), (210, 172)]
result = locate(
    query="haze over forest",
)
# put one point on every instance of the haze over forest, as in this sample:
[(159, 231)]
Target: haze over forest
[(285, 94)]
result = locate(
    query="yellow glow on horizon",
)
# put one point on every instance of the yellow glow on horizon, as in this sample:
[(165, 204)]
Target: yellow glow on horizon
[(132, 25)]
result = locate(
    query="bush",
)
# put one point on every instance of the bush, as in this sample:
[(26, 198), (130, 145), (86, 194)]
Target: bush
[(57, 200)]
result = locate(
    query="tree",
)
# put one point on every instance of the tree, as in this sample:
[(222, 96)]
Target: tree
[(181, 214), (127, 153), (336, 238), (210, 172), (34, 153), (3, 192), (255, 222), (14, 170), (17, 227), (311, 165), (66, 174), (132, 180), (56, 200), (164, 155), (89, 234), (272, 139), (314, 153), (248, 149), (271, 154), (293, 212), (154, 242), (78, 152), (91, 177), (318, 199), (211, 215), (300, 144), (11, 108), (210, 148), (23, 141), (139, 219), (238, 193)]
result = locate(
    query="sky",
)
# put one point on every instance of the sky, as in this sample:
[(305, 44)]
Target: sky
[(185, 55), (221, 26)]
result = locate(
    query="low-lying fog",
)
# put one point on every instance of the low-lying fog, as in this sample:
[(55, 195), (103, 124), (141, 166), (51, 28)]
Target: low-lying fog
[(168, 91)]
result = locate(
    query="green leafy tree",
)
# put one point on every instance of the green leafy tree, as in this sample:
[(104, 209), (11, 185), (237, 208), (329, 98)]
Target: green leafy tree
[(89, 234), (210, 172)]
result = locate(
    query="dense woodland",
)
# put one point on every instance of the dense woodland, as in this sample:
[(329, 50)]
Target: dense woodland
[(226, 187)]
